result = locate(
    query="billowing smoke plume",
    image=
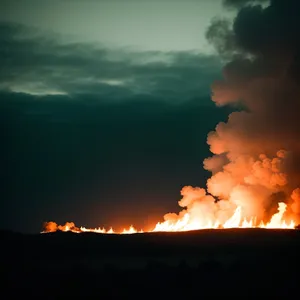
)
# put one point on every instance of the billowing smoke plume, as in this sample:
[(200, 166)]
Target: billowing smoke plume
[(256, 154)]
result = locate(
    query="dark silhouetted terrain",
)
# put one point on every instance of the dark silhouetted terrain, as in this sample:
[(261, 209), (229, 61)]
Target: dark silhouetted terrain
[(241, 263)]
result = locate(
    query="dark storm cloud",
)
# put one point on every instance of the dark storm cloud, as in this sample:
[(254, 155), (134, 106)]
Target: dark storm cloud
[(40, 63)]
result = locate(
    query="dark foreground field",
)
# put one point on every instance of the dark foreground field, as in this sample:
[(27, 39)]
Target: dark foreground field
[(240, 263)]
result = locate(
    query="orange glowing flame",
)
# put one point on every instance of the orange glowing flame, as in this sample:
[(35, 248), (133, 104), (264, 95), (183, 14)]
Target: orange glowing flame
[(186, 223)]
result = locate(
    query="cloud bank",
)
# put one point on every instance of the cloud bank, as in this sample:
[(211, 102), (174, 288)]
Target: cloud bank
[(43, 64)]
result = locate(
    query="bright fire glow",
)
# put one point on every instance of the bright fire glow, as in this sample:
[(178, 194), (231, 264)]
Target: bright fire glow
[(186, 223)]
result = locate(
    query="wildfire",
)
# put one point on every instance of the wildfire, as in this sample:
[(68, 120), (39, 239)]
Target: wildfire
[(186, 223), (254, 161)]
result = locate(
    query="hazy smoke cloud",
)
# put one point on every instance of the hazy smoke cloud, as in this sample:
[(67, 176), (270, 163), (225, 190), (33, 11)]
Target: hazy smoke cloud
[(262, 76), (256, 161)]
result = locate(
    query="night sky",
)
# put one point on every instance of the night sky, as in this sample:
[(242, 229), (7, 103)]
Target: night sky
[(105, 109)]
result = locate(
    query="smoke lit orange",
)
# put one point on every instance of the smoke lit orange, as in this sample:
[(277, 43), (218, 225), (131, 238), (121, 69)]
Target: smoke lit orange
[(237, 199)]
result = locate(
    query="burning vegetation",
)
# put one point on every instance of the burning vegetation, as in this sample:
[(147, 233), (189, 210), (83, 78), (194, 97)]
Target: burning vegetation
[(185, 223), (255, 162)]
